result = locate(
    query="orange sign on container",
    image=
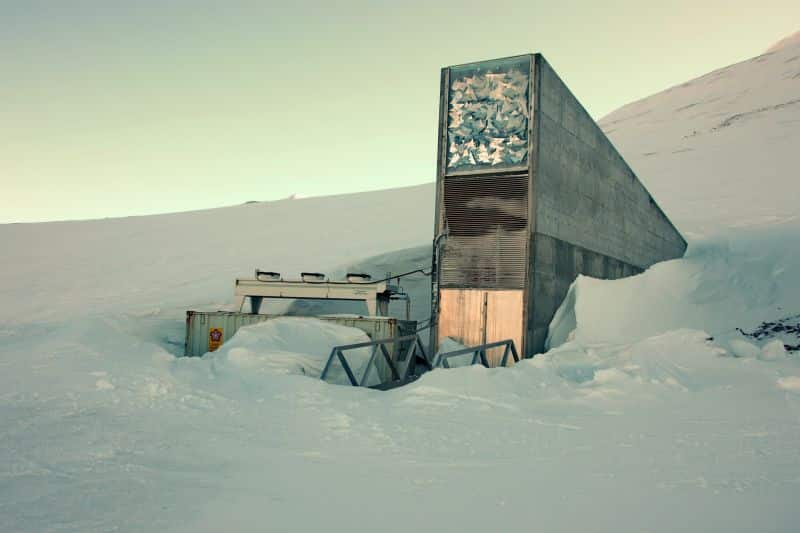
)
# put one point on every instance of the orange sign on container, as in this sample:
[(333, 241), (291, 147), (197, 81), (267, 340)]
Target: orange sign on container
[(215, 338)]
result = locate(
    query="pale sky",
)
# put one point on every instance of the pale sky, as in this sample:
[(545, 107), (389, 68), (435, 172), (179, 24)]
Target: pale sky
[(111, 108)]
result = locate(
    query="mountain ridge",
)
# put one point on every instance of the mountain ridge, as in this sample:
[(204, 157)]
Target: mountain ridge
[(790, 40)]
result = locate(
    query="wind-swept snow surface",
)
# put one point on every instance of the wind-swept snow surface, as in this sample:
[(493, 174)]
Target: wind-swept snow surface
[(668, 433), (720, 285), (183, 260), (651, 412), (721, 150)]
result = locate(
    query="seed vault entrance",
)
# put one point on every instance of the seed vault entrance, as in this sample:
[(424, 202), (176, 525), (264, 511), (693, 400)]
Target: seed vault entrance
[(479, 316), (530, 193)]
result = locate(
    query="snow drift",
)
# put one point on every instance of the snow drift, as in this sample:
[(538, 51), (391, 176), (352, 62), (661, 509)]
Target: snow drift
[(722, 284), (287, 345)]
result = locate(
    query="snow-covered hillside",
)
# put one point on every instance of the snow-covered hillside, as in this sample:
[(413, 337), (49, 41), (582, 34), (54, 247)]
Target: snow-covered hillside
[(786, 42), (720, 151), (651, 412), (182, 260)]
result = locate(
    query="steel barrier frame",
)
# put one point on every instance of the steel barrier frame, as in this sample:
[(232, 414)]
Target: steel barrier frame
[(479, 354), (415, 350)]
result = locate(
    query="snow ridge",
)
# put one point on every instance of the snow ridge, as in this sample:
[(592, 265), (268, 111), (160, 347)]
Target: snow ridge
[(786, 42)]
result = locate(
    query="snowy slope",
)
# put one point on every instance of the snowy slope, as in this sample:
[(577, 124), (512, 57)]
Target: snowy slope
[(651, 413), (720, 151), (182, 260)]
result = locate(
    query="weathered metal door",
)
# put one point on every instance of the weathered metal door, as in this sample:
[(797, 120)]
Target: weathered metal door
[(478, 316)]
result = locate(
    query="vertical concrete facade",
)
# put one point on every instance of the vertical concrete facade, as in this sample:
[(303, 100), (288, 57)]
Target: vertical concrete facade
[(587, 213), (592, 215)]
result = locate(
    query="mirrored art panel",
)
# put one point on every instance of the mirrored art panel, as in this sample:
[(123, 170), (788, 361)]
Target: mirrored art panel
[(488, 110)]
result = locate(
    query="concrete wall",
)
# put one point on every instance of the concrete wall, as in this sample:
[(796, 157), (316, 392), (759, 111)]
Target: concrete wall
[(591, 214)]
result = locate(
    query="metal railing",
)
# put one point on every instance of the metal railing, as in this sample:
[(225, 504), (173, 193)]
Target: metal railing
[(479, 354), (414, 353)]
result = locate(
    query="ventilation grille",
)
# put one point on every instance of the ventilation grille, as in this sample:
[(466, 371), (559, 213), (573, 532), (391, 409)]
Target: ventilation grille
[(487, 219)]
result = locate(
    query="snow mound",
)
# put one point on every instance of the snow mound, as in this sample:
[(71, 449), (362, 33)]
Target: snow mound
[(741, 348), (718, 287), (682, 359), (287, 345), (773, 351), (789, 383)]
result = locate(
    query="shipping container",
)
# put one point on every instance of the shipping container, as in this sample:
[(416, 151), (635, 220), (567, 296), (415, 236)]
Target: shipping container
[(207, 331)]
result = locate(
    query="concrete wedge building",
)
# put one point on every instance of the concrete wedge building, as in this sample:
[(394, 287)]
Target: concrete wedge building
[(530, 193)]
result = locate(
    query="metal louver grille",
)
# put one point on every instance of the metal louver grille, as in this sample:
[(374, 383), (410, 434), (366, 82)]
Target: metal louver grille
[(487, 219)]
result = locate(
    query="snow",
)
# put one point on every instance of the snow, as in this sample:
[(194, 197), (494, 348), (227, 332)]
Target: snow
[(721, 284), (651, 411), (791, 40), (719, 151), (740, 348), (791, 383), (290, 345), (159, 264), (773, 350)]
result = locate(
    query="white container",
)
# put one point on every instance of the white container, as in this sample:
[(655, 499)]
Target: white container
[(207, 331)]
